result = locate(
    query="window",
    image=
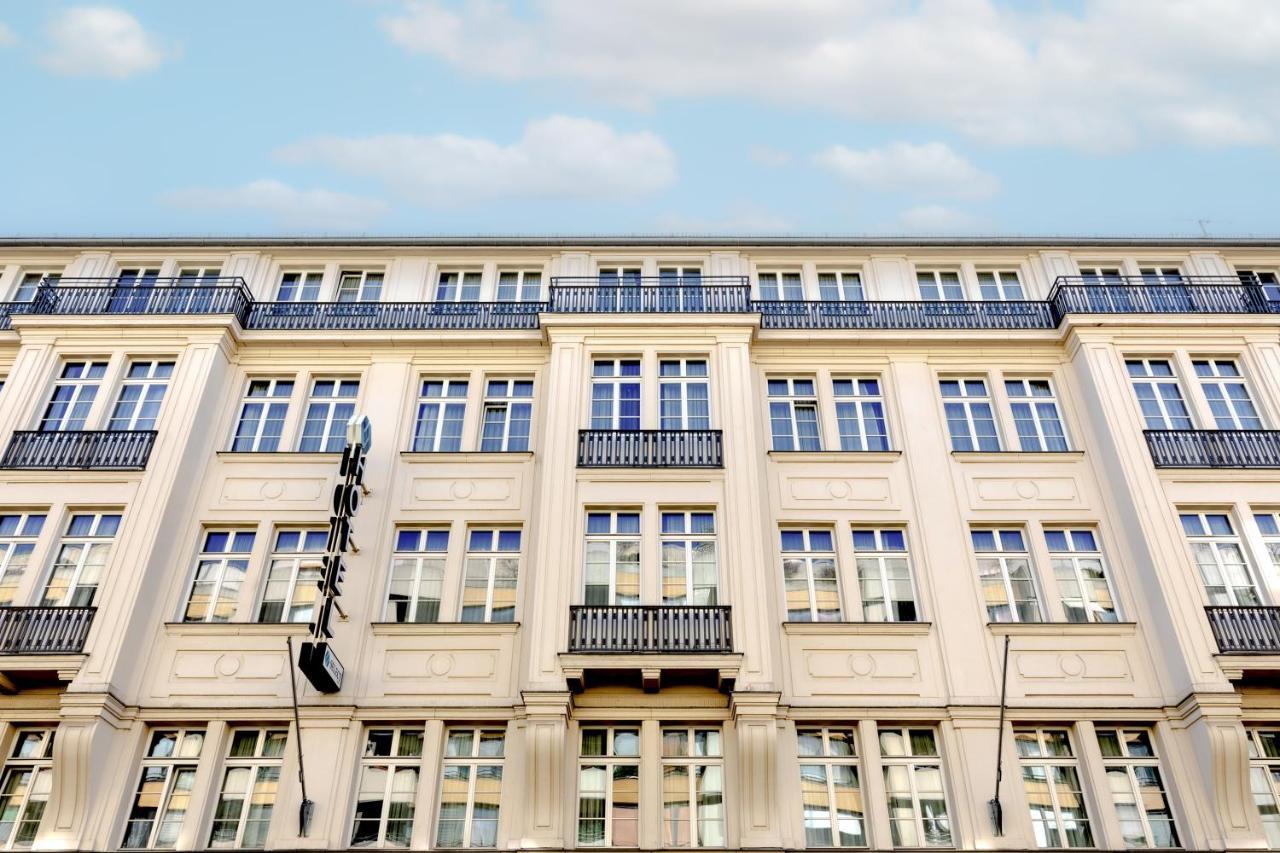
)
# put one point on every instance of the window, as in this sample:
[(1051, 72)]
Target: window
[(508, 412), (969, 417), (692, 788), (262, 414), (220, 570), (860, 414), (1035, 415), (81, 560), (884, 575), (29, 286), (519, 285), (296, 566), (1264, 778), (830, 789), (1004, 568), (940, 285), (459, 286), (471, 788), (618, 288), (1161, 275), (1159, 396), (684, 394), (1000, 285), (781, 285), (793, 414), (18, 534), (609, 787), (388, 788), (1268, 525), (299, 286), (332, 404), (164, 789), (1081, 574), (680, 287), (615, 394), (1133, 775), (809, 576), (1220, 558), (840, 287), (198, 274), (913, 786), (493, 568), (1051, 777), (442, 403), (248, 792), (73, 396), (138, 405), (1225, 391), (1094, 273), (689, 571), (360, 286), (612, 548), (25, 787), (417, 575), (1266, 280)]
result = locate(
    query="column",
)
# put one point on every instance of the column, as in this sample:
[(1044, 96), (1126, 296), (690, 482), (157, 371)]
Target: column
[(546, 717), (755, 721)]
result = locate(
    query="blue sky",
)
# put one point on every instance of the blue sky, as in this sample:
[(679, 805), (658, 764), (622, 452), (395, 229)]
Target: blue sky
[(641, 116)]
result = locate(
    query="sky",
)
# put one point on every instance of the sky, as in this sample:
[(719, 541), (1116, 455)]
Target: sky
[(741, 117)]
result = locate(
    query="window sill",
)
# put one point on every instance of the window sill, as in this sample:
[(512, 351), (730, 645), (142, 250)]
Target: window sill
[(834, 455), (826, 629), (231, 629), (467, 456), (278, 456), (1016, 455), (1079, 629), (434, 629)]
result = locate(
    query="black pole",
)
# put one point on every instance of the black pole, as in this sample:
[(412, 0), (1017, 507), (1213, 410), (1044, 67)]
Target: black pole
[(305, 809), (997, 813)]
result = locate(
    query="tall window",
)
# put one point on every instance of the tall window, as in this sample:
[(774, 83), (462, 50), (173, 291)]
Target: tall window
[(442, 404), (1161, 274), (459, 286), (296, 566), (684, 393), (615, 394), (689, 572), (360, 286), (1269, 526), (1158, 393), (1104, 274), (619, 288), (1220, 558), (471, 788), (519, 285), (164, 789), (1265, 279), (73, 396), (884, 575), (1035, 414), (1051, 777), (840, 287), (493, 569), (332, 404), (612, 572), (198, 275), (303, 286), (970, 420), (1000, 285), (680, 287), (781, 285), (809, 576), (248, 793), (913, 785), (18, 534), (262, 414), (388, 788), (220, 569), (692, 788), (1133, 775), (830, 789), (138, 405), (81, 560), (1226, 393), (940, 285), (29, 286), (417, 575), (1264, 779), (793, 414), (609, 787), (1081, 574), (1004, 568), (25, 787), (860, 414), (508, 412)]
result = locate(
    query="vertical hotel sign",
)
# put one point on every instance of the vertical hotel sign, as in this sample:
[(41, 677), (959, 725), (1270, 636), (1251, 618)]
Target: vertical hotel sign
[(316, 658)]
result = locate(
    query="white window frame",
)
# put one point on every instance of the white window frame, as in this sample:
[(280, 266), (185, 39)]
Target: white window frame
[(808, 557), (305, 568), (391, 765), (24, 282), (878, 560), (198, 274), (948, 291), (335, 424), (501, 399), (155, 380), (221, 563), (17, 548), (913, 762), (1160, 274), (1002, 557), (1127, 763), (608, 762), (490, 561), (613, 541), (475, 761), (688, 540), (792, 400), (306, 278), (1021, 392), (1070, 561), (1214, 380), (525, 279), (39, 764), (431, 413), (847, 286), (267, 401), (360, 285), (1098, 273), (780, 285), (1048, 762), (182, 760), (428, 568), (1264, 771), (456, 292), (828, 759), (860, 408), (1146, 377), (1001, 285), (695, 766), (254, 764), (614, 381), (683, 381), (1215, 543), (967, 403), (84, 393), (87, 543)]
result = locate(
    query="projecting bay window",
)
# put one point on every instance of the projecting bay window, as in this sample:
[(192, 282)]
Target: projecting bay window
[(1000, 286), (417, 575), (25, 787), (809, 575), (940, 285), (1004, 569), (81, 560), (295, 568), (164, 789), (1264, 780), (360, 286), (458, 286), (72, 396), (830, 788), (143, 391), (1219, 555), (611, 575), (247, 795), (860, 414), (519, 285), (615, 394), (684, 394), (508, 412), (18, 534), (1081, 575), (1137, 788), (491, 575), (840, 286), (970, 419), (912, 764), (437, 426), (301, 286), (1227, 395), (609, 787), (471, 788), (386, 798), (884, 575), (1035, 415), (1051, 778), (220, 570), (262, 414), (331, 406), (1158, 393), (793, 414), (689, 573), (785, 286), (692, 788)]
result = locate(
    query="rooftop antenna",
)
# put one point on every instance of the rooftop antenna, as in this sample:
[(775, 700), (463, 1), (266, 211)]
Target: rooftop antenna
[(1204, 232)]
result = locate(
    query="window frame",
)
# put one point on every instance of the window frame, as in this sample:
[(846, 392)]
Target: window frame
[(1033, 404), (692, 764), (846, 282), (608, 762), (426, 535), (1156, 382), (366, 289), (1047, 761), (809, 557), (521, 285), (859, 404), (40, 768), (785, 285), (475, 762), (295, 559), (391, 764), (880, 555), (967, 403), (302, 291), (20, 281), (938, 287), (912, 761), (17, 548), (1074, 556), (1128, 762), (268, 401), (254, 763), (828, 760), (1002, 557), (432, 414), (684, 382), (1214, 541), (614, 539), (491, 558), (74, 583), (332, 405), (1000, 286), (456, 293), (616, 381), (174, 765), (688, 539), (222, 560), (147, 383), (1234, 417), (1268, 768), (792, 401), (508, 403), (78, 410)]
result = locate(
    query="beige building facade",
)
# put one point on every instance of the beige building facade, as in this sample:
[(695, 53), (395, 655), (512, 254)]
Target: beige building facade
[(741, 544)]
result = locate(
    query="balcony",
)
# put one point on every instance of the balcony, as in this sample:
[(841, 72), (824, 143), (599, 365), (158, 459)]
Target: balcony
[(729, 294), (142, 296), (1246, 630), (81, 450), (1214, 448), (905, 315), (393, 316), (685, 643), (1142, 295), (44, 630), (650, 448)]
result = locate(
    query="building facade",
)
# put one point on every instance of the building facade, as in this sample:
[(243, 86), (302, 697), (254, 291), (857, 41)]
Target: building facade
[(740, 544)]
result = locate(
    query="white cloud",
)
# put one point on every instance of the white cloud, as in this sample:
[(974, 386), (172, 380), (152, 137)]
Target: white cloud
[(935, 219), (7, 36), (1098, 76), (901, 166), (282, 205), (99, 41), (556, 158)]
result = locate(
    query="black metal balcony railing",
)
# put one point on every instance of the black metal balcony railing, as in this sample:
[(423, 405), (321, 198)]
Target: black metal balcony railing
[(650, 448), (81, 450), (93, 296), (1214, 448), (1246, 630), (44, 630), (905, 315), (726, 294), (6, 310), (1144, 295), (393, 315), (649, 629)]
